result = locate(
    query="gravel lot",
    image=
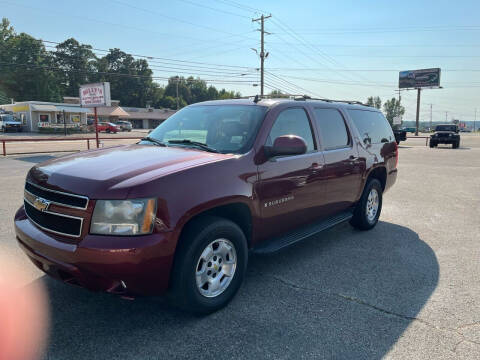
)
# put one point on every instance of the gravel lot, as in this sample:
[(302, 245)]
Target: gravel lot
[(408, 289)]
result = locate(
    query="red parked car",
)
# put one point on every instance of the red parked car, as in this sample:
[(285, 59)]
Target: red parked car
[(107, 127), (178, 212)]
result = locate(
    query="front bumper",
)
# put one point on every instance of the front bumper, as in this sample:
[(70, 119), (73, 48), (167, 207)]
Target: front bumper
[(137, 265), (443, 140), (391, 179)]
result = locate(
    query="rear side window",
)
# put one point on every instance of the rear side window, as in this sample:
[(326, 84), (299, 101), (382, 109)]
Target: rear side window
[(372, 125), (292, 122), (331, 126)]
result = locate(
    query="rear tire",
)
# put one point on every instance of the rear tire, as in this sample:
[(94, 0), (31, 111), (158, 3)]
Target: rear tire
[(369, 207), (199, 282)]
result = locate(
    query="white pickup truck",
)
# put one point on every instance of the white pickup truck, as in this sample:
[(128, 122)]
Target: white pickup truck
[(8, 122)]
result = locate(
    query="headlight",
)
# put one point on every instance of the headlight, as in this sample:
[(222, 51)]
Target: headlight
[(123, 217)]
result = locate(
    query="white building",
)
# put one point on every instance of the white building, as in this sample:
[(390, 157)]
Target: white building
[(37, 114)]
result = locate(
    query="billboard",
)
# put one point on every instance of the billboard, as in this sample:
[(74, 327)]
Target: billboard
[(425, 78), (93, 95)]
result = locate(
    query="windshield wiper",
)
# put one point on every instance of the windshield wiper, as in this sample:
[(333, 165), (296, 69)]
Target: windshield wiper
[(155, 141), (194, 143)]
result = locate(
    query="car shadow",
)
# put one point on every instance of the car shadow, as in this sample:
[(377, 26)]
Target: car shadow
[(341, 294), (450, 148)]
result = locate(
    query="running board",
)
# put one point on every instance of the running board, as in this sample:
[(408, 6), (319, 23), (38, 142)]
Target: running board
[(283, 241)]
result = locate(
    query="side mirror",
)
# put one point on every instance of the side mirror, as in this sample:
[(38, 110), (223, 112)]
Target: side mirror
[(286, 145)]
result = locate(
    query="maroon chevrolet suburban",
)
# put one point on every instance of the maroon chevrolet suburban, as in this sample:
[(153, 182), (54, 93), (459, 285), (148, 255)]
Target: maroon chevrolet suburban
[(179, 212)]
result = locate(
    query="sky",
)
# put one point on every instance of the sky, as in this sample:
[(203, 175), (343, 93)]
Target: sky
[(338, 50)]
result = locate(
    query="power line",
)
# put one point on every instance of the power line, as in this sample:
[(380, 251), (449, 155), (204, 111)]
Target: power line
[(123, 26), (341, 31), (194, 70), (173, 18), (360, 70), (288, 82), (166, 59), (55, 68), (203, 6)]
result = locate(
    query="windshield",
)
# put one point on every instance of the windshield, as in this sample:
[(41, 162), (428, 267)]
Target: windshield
[(9, 118), (446, 128), (223, 128)]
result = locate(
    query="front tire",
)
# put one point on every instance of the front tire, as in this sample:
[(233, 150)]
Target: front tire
[(209, 267), (368, 209)]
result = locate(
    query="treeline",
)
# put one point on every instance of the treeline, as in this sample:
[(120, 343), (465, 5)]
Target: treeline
[(28, 71)]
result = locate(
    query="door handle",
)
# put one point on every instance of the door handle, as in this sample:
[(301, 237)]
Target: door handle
[(353, 158), (316, 167)]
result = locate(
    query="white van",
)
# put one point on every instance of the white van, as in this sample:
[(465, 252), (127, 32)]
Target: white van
[(8, 122)]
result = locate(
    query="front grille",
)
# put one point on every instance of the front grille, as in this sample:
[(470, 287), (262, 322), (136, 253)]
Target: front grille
[(37, 207), (54, 222), (58, 197)]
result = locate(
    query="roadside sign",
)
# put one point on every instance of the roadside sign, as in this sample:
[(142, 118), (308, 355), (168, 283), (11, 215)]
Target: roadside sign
[(416, 79), (397, 120), (93, 95)]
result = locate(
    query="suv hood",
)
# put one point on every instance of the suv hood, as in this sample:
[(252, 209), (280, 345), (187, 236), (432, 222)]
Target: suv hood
[(12, 122), (111, 173)]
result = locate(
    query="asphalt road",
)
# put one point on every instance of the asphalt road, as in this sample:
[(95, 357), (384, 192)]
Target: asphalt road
[(408, 289)]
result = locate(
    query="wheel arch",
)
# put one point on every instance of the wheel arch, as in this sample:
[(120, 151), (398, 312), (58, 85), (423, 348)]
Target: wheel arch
[(379, 173), (238, 212)]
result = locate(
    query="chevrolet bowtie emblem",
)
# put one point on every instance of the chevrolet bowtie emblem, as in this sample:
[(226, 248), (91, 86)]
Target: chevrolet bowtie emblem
[(41, 204)]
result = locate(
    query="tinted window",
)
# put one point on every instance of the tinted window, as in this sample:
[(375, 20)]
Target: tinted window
[(292, 122), (331, 126), (372, 125), (446, 128)]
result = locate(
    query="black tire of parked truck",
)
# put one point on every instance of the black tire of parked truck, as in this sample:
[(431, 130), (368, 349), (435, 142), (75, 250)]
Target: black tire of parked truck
[(456, 144), (361, 219), (200, 234), (432, 144)]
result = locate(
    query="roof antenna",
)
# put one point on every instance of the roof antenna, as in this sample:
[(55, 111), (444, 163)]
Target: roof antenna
[(256, 99)]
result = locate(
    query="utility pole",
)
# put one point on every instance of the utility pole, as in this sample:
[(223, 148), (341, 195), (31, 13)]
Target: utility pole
[(178, 79), (417, 121), (474, 120), (399, 97), (446, 116), (263, 55), (431, 117)]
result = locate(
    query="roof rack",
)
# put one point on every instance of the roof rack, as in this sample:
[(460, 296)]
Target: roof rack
[(353, 102), (256, 98)]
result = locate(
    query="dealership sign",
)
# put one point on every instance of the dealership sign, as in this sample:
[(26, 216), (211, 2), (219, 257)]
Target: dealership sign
[(416, 79), (93, 95)]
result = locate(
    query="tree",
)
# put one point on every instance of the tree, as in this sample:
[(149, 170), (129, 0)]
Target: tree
[(375, 102), (278, 94), (78, 64), (29, 71), (393, 108), (130, 79)]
